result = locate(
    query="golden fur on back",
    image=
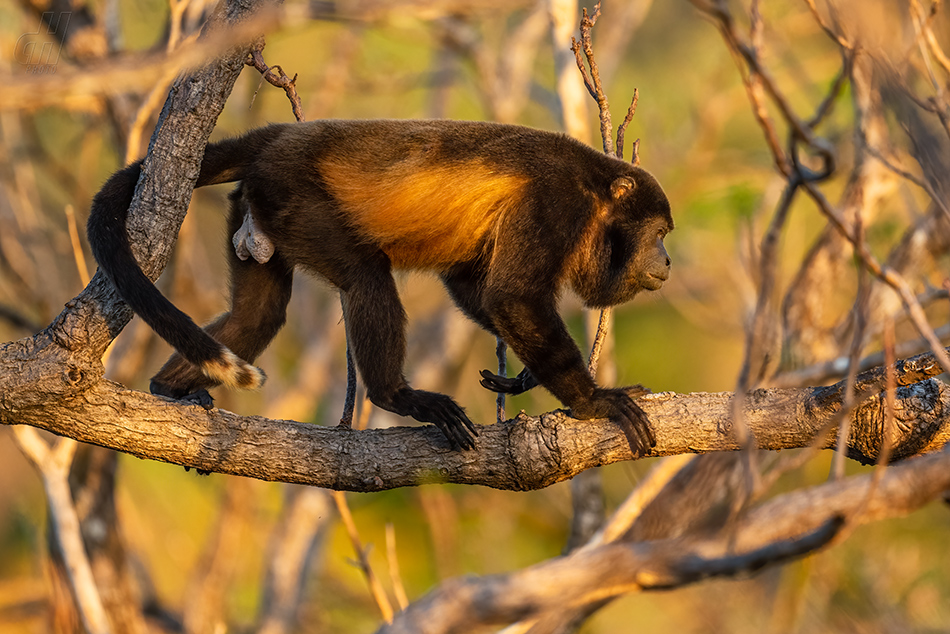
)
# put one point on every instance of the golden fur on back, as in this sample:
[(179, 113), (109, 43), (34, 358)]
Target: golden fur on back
[(424, 216)]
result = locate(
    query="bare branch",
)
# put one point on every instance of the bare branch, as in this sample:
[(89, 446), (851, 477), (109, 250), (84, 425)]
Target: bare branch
[(52, 463), (759, 82), (821, 372), (78, 255), (362, 557), (594, 87), (632, 508), (133, 72), (569, 583), (622, 130), (600, 336), (392, 560), (592, 81), (887, 275), (785, 527), (859, 315), (525, 453), (831, 30), (921, 182)]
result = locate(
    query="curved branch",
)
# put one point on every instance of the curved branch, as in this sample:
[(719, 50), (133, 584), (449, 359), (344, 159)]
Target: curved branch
[(785, 527)]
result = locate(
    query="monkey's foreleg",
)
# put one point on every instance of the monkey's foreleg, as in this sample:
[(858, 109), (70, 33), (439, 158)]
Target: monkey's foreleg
[(376, 329), (537, 334)]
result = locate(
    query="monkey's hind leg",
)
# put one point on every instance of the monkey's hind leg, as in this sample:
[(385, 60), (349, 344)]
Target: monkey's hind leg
[(259, 297), (376, 326)]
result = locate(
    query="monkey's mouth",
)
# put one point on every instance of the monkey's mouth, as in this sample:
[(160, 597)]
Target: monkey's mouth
[(654, 281)]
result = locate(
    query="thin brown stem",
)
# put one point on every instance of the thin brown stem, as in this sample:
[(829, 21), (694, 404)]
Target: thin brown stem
[(395, 576), (859, 316), (362, 558), (501, 354), (603, 326), (278, 78), (622, 130), (592, 81)]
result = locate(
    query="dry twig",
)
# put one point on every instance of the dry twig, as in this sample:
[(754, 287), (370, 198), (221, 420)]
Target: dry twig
[(501, 355), (279, 79), (362, 558)]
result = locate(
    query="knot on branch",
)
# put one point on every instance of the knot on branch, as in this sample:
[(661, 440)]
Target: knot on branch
[(533, 442), (38, 371), (918, 417)]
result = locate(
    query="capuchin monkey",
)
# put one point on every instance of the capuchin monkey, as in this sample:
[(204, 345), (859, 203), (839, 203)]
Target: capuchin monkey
[(507, 216)]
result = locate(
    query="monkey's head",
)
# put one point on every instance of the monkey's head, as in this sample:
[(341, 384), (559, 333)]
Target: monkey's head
[(622, 251)]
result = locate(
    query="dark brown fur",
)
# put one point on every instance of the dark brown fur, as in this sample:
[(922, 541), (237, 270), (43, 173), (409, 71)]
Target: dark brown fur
[(506, 215)]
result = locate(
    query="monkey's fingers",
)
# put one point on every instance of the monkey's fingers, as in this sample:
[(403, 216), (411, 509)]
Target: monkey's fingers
[(498, 383), (636, 427), (456, 433), (450, 418), (508, 385)]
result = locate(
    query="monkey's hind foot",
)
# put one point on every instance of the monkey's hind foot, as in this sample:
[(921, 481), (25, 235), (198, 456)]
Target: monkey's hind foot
[(201, 397), (435, 408), (508, 385), (198, 397)]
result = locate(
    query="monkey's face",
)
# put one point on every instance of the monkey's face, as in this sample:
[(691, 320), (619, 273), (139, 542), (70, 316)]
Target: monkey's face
[(626, 253), (650, 267)]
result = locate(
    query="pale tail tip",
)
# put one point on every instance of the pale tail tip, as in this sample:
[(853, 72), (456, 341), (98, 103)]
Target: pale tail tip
[(233, 371)]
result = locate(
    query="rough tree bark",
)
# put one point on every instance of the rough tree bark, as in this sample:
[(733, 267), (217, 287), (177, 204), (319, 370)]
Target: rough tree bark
[(525, 453)]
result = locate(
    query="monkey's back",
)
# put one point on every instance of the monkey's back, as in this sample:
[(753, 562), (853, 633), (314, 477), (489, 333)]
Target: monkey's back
[(429, 193)]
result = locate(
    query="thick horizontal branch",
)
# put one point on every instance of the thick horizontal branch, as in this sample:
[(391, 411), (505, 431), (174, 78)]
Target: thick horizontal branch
[(526, 453)]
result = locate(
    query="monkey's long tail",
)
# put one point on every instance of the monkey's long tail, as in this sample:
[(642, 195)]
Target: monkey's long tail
[(110, 246)]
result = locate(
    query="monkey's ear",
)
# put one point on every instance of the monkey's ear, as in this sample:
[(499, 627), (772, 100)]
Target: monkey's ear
[(620, 187)]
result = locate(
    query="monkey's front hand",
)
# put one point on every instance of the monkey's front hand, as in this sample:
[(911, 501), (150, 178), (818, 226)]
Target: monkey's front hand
[(517, 385), (439, 409), (615, 404)]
